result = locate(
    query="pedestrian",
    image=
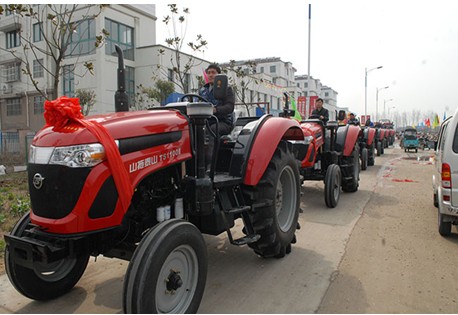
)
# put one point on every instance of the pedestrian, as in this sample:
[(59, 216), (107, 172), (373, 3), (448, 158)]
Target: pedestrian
[(320, 111), (223, 110)]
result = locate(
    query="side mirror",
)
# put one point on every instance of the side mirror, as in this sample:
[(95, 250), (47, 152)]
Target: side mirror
[(341, 115), (220, 86)]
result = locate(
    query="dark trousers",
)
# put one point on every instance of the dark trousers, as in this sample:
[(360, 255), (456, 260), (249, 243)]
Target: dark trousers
[(223, 129)]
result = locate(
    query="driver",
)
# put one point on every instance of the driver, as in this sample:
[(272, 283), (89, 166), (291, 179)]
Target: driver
[(353, 120), (223, 109), (320, 111)]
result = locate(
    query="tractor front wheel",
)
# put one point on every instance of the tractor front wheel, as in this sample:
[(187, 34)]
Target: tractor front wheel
[(379, 148), (352, 184), (45, 281), (279, 187), (168, 270), (364, 159), (332, 185), (371, 158)]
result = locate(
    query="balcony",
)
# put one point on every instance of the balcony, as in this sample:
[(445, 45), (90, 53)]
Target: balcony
[(9, 23)]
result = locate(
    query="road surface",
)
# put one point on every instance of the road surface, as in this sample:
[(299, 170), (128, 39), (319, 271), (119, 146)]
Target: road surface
[(378, 251)]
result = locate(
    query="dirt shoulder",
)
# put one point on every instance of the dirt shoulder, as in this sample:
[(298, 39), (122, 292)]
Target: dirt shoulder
[(395, 260), (14, 202)]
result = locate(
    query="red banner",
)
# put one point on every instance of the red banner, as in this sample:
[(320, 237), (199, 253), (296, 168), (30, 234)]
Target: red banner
[(312, 100)]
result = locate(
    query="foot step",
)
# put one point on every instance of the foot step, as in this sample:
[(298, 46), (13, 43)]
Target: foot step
[(246, 239)]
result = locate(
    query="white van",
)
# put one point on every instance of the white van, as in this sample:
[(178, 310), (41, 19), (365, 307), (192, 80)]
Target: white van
[(445, 179)]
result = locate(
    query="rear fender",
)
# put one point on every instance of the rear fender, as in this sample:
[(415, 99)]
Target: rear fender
[(346, 139), (264, 144), (370, 136)]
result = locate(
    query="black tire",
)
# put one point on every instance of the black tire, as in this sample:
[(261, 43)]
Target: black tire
[(435, 200), (280, 185), (171, 252), (332, 186), (405, 150), (364, 159), (382, 147), (371, 158), (45, 281), (416, 150), (352, 184), (445, 228), (379, 148)]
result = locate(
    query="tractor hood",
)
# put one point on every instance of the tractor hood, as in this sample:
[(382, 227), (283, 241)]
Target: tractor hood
[(120, 125)]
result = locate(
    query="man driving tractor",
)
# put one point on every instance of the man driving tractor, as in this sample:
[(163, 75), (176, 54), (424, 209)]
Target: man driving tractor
[(320, 111)]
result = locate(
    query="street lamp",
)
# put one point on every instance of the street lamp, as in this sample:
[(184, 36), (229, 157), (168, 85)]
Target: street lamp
[(376, 101), (384, 103), (365, 87)]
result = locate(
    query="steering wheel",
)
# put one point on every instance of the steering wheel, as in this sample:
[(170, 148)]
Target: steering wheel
[(314, 117), (190, 97)]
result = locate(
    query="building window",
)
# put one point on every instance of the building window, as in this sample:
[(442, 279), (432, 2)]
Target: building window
[(38, 71), (306, 85), (298, 85), (123, 36), (273, 69), (69, 80), (37, 32), (170, 75), (13, 39), (38, 105), (130, 84), (326, 94), (13, 107), (261, 70), (12, 72), (187, 81), (274, 80), (82, 40)]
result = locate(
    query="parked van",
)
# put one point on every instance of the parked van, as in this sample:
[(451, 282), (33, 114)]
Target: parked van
[(445, 178)]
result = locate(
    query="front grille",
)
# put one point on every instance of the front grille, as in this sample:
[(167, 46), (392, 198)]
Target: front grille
[(60, 189)]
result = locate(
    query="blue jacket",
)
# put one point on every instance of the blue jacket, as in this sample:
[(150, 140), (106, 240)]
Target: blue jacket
[(224, 107)]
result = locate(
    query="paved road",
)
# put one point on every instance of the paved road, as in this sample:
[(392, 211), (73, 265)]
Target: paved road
[(239, 281)]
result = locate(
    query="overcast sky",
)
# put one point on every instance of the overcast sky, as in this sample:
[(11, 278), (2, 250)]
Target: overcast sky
[(416, 42)]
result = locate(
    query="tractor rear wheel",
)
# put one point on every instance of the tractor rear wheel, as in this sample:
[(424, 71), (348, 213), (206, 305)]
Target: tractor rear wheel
[(351, 185), (332, 185), (276, 222), (168, 270), (364, 159), (45, 281)]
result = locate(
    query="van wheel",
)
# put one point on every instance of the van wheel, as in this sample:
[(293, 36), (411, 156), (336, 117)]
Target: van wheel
[(45, 281), (435, 200), (276, 223), (332, 186), (168, 270), (445, 228)]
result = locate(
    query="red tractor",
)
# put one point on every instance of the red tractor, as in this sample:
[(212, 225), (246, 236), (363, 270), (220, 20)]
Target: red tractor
[(331, 153), (79, 208)]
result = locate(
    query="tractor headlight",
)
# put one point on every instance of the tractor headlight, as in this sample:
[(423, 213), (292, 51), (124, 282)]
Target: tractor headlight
[(308, 140), (84, 155)]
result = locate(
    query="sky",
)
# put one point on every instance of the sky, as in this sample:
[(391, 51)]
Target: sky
[(416, 42)]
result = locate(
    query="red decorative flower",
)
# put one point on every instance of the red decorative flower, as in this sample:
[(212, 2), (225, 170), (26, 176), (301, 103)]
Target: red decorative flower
[(60, 112)]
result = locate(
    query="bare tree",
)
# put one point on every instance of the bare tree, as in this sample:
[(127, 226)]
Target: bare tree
[(61, 27), (180, 73), (87, 100)]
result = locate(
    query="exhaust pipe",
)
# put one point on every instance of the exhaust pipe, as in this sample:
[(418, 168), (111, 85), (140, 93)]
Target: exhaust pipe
[(121, 97)]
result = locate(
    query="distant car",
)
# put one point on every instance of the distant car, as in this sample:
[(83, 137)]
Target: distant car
[(445, 178)]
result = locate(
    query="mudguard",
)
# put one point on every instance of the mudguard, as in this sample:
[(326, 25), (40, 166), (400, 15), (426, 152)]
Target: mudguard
[(269, 132), (370, 136), (346, 139), (382, 133)]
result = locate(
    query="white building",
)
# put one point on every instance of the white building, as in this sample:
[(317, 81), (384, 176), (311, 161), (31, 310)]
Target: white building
[(130, 26)]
